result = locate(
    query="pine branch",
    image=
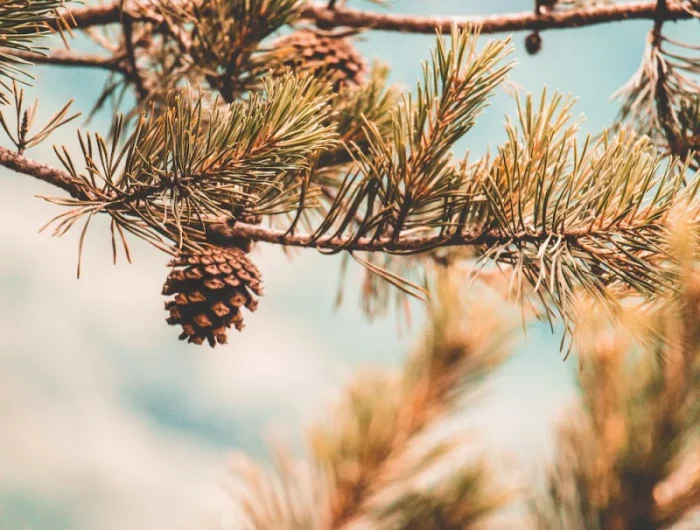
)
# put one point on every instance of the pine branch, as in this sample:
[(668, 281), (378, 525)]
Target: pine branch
[(224, 231), (371, 445), (624, 247), (369, 458), (406, 244), (44, 172), (69, 59), (527, 21)]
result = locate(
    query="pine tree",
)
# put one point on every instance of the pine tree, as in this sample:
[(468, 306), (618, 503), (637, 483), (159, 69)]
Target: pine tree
[(241, 136)]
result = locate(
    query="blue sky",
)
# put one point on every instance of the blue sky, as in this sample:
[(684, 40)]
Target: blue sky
[(111, 423)]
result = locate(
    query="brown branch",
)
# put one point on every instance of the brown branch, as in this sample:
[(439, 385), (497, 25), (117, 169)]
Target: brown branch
[(134, 73), (65, 58), (526, 21), (664, 107), (224, 233), (88, 16), (56, 177), (510, 22), (403, 244)]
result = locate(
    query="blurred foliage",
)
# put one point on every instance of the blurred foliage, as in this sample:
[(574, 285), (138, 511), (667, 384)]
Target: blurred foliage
[(375, 461), (628, 456)]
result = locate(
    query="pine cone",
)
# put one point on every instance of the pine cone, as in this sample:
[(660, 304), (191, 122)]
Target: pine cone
[(210, 289), (327, 55), (533, 43)]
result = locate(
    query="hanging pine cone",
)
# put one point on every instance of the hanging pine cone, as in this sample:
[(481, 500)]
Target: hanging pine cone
[(211, 287), (533, 43), (328, 55)]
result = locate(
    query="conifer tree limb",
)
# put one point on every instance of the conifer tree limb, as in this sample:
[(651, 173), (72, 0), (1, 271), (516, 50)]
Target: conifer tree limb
[(134, 73), (525, 21), (664, 107), (530, 206), (48, 174), (510, 22), (66, 58), (400, 245), (223, 231)]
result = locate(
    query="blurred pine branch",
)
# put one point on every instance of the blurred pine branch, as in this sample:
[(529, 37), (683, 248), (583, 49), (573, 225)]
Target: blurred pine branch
[(375, 461), (628, 457)]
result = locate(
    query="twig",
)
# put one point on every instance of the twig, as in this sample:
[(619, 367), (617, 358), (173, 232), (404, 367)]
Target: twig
[(525, 21), (56, 177), (98, 15), (664, 108), (65, 58), (134, 74), (394, 245), (490, 24)]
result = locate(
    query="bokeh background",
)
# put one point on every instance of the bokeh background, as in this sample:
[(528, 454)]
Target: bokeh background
[(108, 422)]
